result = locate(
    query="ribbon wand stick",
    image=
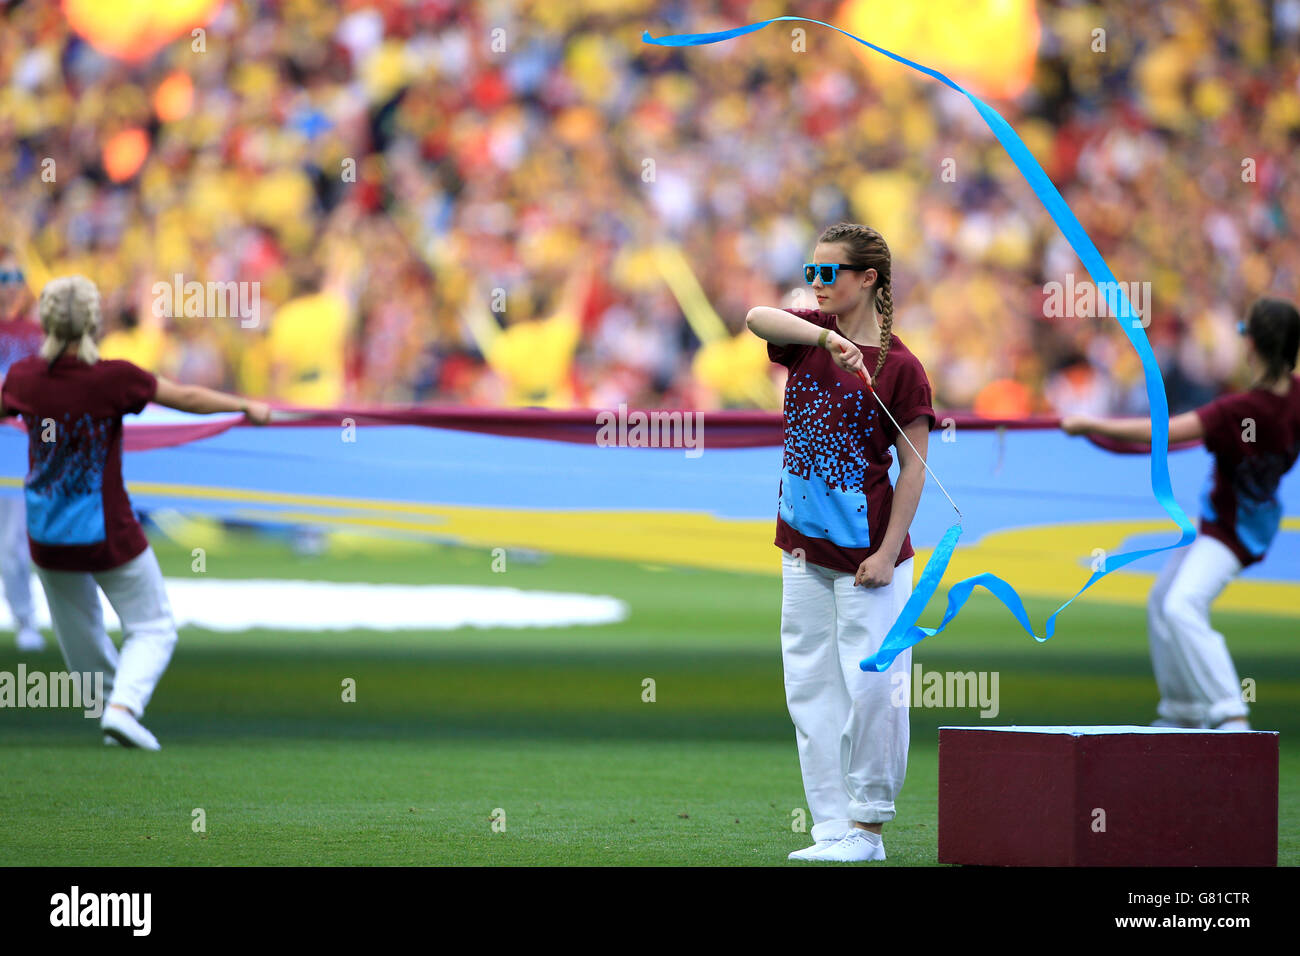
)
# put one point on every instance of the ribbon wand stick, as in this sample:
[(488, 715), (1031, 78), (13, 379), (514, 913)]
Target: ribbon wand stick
[(867, 381)]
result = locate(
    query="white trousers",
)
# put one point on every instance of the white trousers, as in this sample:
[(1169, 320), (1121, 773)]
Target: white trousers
[(16, 560), (1194, 672), (135, 591), (851, 736)]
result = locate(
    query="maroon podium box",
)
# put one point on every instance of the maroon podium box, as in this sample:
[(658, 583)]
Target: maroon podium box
[(1107, 796)]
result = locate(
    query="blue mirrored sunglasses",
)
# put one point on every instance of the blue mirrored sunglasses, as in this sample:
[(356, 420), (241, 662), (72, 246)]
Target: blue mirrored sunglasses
[(11, 276), (1241, 328), (828, 271)]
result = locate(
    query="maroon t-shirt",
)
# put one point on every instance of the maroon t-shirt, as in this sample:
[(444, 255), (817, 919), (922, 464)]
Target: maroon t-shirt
[(835, 498), (78, 515), (1255, 439)]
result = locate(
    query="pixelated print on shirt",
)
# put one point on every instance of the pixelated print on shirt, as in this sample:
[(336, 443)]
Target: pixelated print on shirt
[(1259, 513), (823, 474), (64, 494)]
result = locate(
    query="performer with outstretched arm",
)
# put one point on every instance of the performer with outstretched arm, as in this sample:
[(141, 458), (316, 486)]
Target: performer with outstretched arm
[(82, 531), (1254, 437)]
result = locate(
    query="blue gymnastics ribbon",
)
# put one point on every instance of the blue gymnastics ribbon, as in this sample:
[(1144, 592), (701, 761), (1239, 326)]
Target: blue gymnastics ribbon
[(906, 632)]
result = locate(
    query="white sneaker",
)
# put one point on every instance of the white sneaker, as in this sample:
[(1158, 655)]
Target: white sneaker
[(122, 726), (857, 847), (810, 853), (1238, 725), (30, 640)]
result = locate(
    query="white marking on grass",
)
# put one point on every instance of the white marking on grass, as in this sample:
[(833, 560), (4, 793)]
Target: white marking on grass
[(234, 605)]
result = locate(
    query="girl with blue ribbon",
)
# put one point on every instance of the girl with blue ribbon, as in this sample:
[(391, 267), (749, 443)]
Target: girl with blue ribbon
[(843, 533)]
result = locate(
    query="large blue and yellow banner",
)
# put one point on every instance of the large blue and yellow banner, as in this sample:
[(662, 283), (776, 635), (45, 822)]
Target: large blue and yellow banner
[(1041, 509)]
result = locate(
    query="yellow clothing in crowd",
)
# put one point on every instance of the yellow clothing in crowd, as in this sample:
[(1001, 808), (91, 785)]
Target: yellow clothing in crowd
[(738, 371), (535, 358), (142, 346), (307, 341)]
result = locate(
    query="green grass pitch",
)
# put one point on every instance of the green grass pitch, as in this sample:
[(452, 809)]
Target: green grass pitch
[(452, 730)]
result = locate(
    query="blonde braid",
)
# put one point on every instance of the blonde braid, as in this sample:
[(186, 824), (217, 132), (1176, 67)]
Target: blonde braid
[(885, 308)]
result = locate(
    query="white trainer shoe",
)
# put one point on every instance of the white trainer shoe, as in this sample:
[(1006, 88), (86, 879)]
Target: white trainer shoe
[(122, 726), (1238, 725), (858, 846), (810, 853), (30, 640)]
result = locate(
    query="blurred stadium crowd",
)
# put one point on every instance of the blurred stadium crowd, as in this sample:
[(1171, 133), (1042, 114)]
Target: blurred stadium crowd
[(437, 212)]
